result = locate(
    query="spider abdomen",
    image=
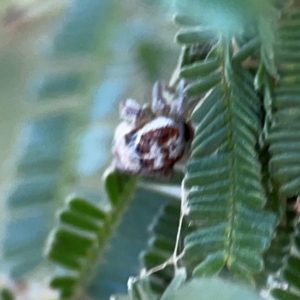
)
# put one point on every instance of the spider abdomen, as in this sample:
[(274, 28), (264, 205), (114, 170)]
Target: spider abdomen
[(150, 142), (160, 143)]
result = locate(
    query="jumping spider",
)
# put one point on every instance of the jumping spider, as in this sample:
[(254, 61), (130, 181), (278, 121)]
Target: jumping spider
[(150, 141)]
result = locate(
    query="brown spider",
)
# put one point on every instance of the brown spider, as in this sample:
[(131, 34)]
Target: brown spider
[(150, 141)]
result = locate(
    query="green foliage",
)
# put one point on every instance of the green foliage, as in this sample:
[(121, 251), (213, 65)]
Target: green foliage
[(6, 294), (208, 288), (44, 155), (161, 246), (178, 280), (148, 54), (140, 290), (240, 63), (131, 237), (40, 173), (82, 232), (226, 194), (214, 288), (243, 160), (279, 249), (223, 174), (284, 130), (289, 283)]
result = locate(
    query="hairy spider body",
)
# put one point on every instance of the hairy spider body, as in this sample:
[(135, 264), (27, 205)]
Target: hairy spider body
[(150, 146)]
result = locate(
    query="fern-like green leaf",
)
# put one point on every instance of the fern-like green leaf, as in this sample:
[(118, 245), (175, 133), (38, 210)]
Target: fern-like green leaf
[(114, 269), (246, 50), (284, 138), (286, 250), (161, 245), (226, 196), (81, 234)]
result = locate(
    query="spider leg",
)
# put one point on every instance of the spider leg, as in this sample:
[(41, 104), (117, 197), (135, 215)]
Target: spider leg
[(132, 112), (159, 104), (129, 109), (178, 106), (182, 106)]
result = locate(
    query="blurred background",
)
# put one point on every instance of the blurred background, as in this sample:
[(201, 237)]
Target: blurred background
[(64, 67)]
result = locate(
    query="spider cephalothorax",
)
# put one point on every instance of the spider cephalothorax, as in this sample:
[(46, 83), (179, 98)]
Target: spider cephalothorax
[(150, 141)]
